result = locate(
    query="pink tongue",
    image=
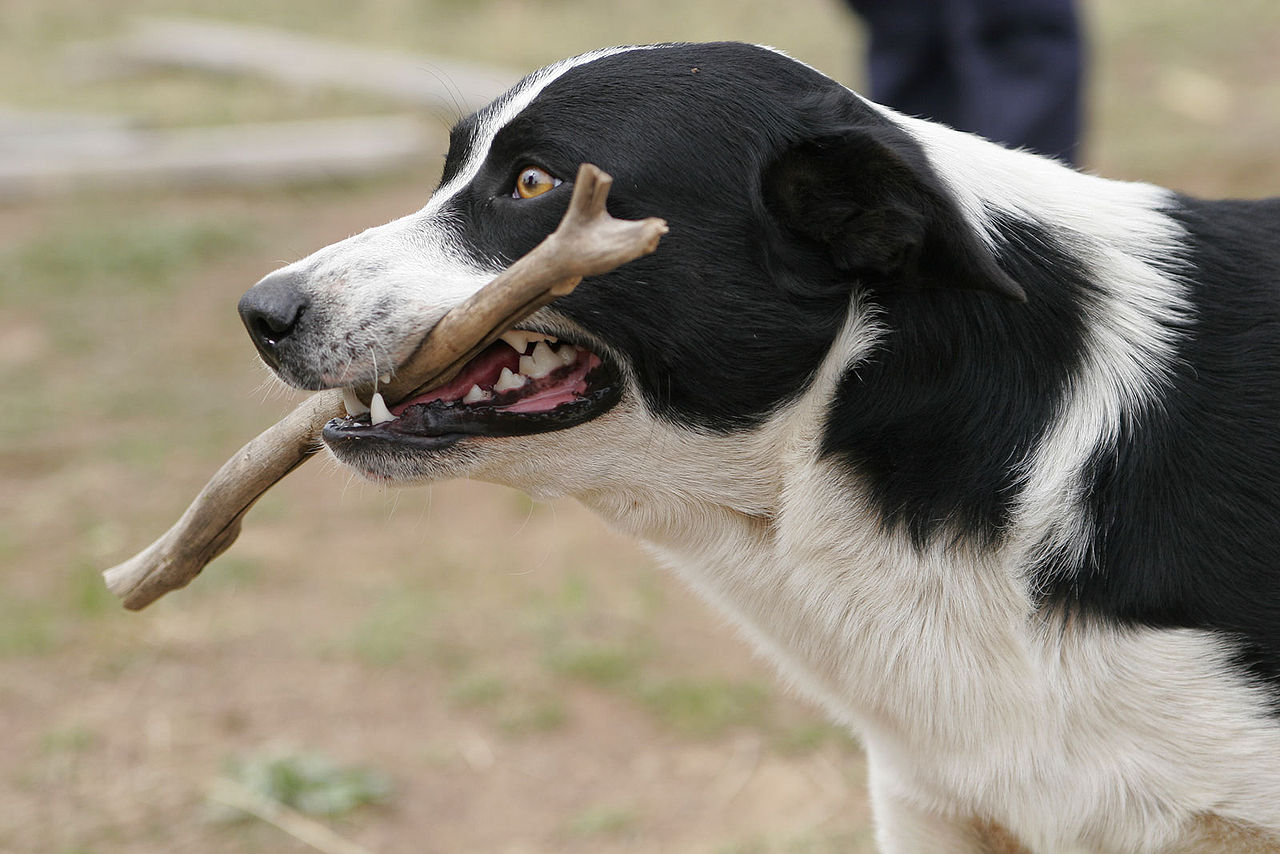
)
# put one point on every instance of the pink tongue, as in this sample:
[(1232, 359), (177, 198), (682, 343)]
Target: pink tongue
[(565, 389)]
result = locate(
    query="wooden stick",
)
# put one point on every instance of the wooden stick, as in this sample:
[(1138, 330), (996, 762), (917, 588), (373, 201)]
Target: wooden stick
[(588, 242)]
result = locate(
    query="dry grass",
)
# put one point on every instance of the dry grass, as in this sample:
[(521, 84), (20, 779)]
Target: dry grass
[(526, 679)]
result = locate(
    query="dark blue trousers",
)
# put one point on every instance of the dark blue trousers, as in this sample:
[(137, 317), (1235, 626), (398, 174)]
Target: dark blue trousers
[(1009, 70)]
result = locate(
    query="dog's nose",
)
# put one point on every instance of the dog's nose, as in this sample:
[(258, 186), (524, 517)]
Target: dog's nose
[(271, 310)]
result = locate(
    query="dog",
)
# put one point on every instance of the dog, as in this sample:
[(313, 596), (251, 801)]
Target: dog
[(982, 452)]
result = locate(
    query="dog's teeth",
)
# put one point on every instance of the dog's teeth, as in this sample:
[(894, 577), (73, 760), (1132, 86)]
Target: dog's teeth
[(378, 412), (384, 378), (508, 381), (520, 339), (517, 339), (476, 395), (353, 404), (545, 360), (542, 362), (567, 354)]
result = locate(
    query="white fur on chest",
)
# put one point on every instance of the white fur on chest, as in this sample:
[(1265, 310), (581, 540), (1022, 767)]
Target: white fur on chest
[(1075, 737)]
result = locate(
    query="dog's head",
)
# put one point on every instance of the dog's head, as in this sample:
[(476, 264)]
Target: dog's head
[(786, 195)]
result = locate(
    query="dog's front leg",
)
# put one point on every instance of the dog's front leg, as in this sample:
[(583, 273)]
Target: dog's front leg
[(904, 827)]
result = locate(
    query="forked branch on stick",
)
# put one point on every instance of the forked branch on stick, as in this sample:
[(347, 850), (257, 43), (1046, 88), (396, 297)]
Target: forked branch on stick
[(588, 242)]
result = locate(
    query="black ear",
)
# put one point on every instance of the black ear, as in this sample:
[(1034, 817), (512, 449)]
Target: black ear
[(865, 191)]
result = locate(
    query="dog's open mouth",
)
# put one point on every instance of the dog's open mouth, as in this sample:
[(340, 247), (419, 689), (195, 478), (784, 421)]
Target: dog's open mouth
[(523, 383)]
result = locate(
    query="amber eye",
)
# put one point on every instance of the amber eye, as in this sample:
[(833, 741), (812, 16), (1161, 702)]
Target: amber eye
[(534, 181)]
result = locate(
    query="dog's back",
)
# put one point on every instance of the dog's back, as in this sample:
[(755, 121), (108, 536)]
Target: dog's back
[(1185, 502)]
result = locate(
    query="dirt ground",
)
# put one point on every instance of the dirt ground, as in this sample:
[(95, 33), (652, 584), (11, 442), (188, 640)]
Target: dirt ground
[(525, 679)]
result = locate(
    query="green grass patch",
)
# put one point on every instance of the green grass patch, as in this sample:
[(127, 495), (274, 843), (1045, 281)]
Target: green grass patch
[(476, 690), (138, 452), (707, 708), (144, 254), (544, 714), (574, 595), (71, 739), (606, 665), (308, 782), (27, 629), (515, 712), (582, 642), (602, 821), (805, 737), (8, 543), (233, 570), (227, 572), (87, 592), (393, 629)]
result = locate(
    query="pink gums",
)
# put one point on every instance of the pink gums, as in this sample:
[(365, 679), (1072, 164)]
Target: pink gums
[(563, 385)]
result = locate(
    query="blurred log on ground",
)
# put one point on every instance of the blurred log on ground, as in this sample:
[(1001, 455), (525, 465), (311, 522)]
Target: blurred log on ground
[(46, 156), (46, 153), (294, 59)]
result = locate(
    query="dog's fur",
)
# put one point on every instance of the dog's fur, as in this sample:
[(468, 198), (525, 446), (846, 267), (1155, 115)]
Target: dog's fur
[(1028, 549)]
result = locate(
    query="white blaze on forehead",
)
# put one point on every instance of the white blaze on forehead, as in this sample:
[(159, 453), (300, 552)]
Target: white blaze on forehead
[(375, 293), (500, 113)]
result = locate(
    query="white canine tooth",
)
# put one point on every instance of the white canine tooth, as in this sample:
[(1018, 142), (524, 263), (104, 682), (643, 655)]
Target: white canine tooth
[(520, 339), (567, 354), (378, 412), (527, 367), (476, 395), (353, 404), (508, 381), (517, 339)]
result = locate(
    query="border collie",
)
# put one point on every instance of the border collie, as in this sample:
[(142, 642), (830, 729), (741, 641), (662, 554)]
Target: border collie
[(982, 452)]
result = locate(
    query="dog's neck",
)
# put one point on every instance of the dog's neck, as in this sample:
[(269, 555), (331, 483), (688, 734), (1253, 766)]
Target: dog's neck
[(872, 626), (867, 624), (790, 544)]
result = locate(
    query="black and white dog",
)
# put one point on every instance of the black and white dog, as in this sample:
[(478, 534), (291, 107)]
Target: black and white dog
[(983, 453)]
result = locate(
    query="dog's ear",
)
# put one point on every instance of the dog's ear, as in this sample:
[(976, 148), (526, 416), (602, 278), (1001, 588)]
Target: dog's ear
[(864, 190)]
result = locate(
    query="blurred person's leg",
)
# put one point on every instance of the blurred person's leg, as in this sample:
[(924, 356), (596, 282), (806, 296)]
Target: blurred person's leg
[(1010, 70), (1021, 63), (910, 60)]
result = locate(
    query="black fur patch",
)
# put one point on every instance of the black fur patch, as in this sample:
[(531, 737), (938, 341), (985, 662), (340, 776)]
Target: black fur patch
[(1187, 505), (715, 332), (742, 301), (961, 390), (733, 314)]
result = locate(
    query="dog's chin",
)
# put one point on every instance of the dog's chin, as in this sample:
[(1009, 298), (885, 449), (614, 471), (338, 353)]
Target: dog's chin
[(394, 465), (503, 393)]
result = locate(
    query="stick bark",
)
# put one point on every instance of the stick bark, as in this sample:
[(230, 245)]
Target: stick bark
[(588, 242)]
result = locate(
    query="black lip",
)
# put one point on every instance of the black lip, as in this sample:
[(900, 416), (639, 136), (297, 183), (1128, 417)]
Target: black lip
[(437, 425), (349, 433)]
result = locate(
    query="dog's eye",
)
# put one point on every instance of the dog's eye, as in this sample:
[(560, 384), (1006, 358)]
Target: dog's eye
[(534, 181)]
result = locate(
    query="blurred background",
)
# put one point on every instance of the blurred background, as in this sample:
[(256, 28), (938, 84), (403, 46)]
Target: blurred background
[(452, 669)]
